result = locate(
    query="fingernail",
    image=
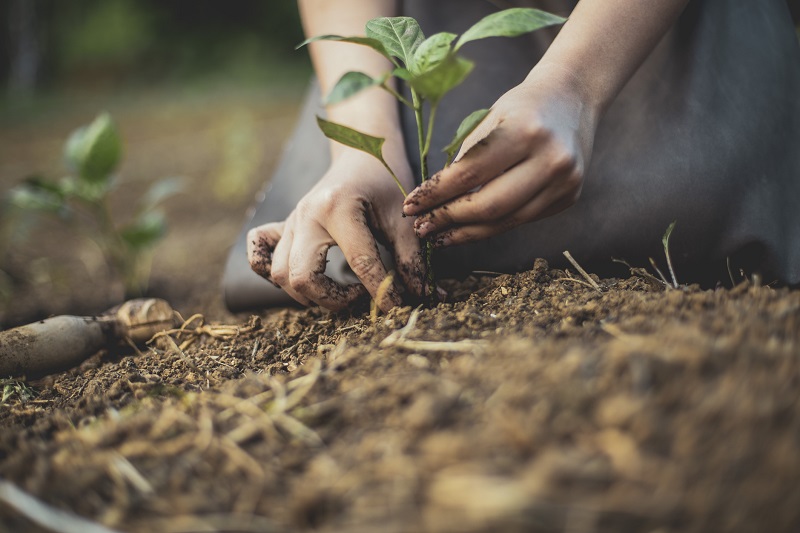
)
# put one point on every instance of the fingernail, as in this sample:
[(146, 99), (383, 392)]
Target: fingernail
[(424, 228)]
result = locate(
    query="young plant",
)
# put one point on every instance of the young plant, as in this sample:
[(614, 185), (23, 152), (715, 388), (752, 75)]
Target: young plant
[(14, 389), (92, 154), (430, 68)]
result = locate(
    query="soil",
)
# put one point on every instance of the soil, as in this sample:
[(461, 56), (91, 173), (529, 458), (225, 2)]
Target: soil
[(527, 402)]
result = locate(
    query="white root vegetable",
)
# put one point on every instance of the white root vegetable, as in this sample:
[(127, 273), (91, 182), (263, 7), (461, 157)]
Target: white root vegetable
[(62, 342)]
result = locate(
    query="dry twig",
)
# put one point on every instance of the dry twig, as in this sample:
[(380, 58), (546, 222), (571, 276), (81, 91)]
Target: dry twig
[(398, 339), (660, 274), (45, 516), (582, 272)]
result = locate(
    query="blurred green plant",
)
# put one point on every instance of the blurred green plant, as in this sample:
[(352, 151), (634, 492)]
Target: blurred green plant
[(92, 154), (125, 42), (113, 32)]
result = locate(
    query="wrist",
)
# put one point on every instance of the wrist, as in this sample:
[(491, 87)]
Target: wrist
[(357, 162), (569, 87)]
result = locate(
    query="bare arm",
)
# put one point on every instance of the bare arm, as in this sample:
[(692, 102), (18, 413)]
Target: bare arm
[(538, 139), (374, 111), (355, 204), (604, 42)]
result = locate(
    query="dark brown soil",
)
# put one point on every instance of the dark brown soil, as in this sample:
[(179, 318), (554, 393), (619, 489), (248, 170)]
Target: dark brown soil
[(534, 403)]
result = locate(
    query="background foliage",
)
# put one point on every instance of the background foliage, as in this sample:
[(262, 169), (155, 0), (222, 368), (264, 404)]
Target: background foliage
[(201, 90), (45, 42)]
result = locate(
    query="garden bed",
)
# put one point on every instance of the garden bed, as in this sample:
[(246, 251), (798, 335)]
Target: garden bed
[(530, 402), (533, 402)]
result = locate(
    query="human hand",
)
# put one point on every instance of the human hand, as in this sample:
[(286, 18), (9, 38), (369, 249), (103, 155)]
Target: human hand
[(524, 162), (355, 205)]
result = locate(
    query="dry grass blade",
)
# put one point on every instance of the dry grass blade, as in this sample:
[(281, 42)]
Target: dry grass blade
[(466, 345), (298, 430), (641, 272), (401, 333), (398, 339), (660, 274), (582, 272), (299, 387), (383, 288), (665, 242), (616, 332), (260, 421), (192, 334), (45, 516), (246, 463), (172, 346), (129, 472), (578, 281), (235, 404)]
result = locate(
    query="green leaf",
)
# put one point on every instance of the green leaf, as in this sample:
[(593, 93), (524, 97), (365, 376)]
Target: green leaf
[(160, 191), (467, 126), (375, 44), (509, 23), (8, 391), (40, 183), (145, 231), (667, 234), (441, 79), (399, 35), (94, 151), (352, 138), (36, 194), (401, 73), (432, 51), (360, 141), (349, 85), (88, 191), (73, 149)]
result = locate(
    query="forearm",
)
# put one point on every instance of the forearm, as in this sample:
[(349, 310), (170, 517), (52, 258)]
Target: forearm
[(373, 111), (604, 42)]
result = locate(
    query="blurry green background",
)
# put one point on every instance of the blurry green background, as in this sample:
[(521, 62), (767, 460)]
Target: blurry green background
[(53, 43), (203, 90)]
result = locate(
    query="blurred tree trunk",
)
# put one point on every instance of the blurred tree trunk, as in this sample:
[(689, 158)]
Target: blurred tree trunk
[(25, 55)]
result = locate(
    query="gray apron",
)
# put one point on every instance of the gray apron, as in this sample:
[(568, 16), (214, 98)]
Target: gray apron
[(707, 133)]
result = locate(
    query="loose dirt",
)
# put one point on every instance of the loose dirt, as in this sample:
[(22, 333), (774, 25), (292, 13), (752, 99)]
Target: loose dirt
[(531, 403)]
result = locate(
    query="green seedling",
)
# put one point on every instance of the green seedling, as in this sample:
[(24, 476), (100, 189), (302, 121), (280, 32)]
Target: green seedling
[(14, 389), (661, 279), (430, 68), (92, 154)]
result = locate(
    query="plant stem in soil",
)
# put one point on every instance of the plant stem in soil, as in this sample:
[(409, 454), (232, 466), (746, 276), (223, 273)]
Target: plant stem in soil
[(424, 139)]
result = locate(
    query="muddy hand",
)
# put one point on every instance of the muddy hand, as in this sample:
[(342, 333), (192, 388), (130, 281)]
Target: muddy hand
[(354, 205), (525, 162)]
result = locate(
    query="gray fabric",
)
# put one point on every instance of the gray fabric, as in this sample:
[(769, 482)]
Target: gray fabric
[(705, 133), (305, 159)]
